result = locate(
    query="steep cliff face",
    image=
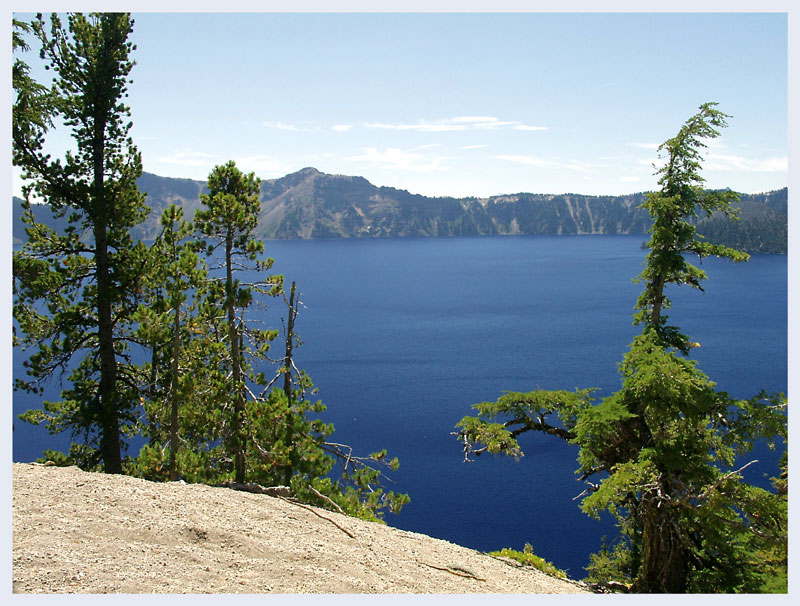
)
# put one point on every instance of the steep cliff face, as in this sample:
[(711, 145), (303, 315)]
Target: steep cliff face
[(311, 204), (568, 214)]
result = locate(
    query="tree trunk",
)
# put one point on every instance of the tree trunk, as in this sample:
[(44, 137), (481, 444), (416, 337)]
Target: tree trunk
[(110, 445), (175, 398), (287, 374), (152, 419), (287, 384), (658, 300), (664, 559), (239, 463)]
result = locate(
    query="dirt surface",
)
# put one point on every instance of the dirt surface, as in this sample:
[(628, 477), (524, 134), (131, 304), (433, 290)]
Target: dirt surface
[(78, 532)]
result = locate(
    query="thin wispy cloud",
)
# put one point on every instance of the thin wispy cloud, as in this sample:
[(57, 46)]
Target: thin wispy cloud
[(342, 128), (398, 159), (263, 166), (651, 146), (457, 124), (280, 126), (473, 119), (190, 158), (545, 163), (527, 160), (728, 162)]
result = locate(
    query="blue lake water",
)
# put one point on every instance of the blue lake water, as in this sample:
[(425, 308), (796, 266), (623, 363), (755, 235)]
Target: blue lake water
[(402, 336)]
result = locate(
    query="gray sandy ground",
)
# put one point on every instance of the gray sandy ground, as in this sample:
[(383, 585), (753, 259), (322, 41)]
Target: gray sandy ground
[(79, 532)]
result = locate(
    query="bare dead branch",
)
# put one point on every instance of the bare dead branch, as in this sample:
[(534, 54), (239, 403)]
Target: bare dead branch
[(459, 572), (716, 484), (344, 530), (323, 497)]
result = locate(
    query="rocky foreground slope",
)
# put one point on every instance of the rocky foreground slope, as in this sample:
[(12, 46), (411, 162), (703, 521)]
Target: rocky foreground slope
[(79, 532)]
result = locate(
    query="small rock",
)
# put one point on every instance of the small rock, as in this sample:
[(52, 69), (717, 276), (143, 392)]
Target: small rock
[(278, 491)]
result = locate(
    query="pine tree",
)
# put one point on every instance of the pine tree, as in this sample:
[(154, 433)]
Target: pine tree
[(661, 454), (177, 323), (75, 291), (34, 105), (227, 225)]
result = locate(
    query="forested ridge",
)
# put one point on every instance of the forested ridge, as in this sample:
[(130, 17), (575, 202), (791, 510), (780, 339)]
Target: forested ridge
[(149, 309), (311, 204)]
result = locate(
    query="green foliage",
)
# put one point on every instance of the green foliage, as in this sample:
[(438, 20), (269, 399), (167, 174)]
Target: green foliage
[(526, 557), (182, 400), (660, 454), (34, 103), (613, 566), (79, 455), (673, 233), (194, 466), (75, 291), (286, 440), (522, 412)]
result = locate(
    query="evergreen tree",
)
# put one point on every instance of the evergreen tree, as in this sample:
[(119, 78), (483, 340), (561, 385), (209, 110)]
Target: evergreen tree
[(177, 322), (75, 291), (673, 233), (660, 454), (227, 224)]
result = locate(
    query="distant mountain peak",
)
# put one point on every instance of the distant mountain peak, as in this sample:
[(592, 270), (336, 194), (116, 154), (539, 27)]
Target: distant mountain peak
[(308, 171)]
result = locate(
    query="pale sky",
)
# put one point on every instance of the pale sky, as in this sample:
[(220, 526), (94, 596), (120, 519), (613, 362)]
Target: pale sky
[(460, 104)]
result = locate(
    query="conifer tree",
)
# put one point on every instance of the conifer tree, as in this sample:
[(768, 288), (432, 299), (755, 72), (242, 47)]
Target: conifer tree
[(673, 234), (226, 225), (662, 454), (75, 291), (178, 324)]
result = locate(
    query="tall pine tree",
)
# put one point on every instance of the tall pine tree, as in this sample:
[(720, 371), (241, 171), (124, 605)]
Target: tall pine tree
[(75, 291), (226, 225)]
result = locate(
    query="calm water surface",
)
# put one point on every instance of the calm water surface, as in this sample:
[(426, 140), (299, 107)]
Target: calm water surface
[(402, 336)]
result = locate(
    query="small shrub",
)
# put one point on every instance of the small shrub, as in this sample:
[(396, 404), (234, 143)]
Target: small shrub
[(528, 558)]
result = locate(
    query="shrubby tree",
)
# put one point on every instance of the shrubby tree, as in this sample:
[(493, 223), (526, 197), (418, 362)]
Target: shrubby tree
[(75, 291), (177, 322), (662, 455), (300, 453)]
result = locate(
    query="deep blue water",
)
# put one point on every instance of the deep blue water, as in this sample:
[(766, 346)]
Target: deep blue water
[(402, 336)]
